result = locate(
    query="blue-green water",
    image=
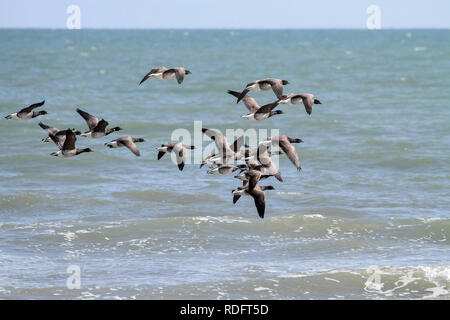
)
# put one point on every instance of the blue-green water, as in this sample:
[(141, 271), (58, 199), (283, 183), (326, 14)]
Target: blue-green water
[(368, 217)]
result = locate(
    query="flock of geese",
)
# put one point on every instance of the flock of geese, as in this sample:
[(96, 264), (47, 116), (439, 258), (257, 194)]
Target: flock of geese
[(258, 163)]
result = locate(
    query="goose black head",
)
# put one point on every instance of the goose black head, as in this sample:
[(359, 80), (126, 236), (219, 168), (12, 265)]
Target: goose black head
[(40, 113), (295, 140)]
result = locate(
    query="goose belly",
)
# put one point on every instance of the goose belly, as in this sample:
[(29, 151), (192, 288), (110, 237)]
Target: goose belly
[(96, 135), (289, 102), (167, 76), (64, 154), (69, 153), (270, 170), (214, 171), (266, 143), (157, 76), (113, 144), (260, 117), (241, 192), (242, 176), (295, 102), (87, 134), (264, 87), (250, 116), (254, 87), (57, 154)]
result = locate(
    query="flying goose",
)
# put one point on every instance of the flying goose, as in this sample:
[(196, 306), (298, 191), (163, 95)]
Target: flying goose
[(257, 192), (128, 142), (265, 166), (225, 169), (59, 138), (263, 85), (264, 163), (68, 148), (97, 129), (257, 113), (251, 154), (244, 176), (209, 160), (240, 191), (225, 152), (214, 158), (163, 73), (243, 191), (56, 132), (178, 148), (306, 98), (258, 159), (285, 143), (260, 198), (27, 113)]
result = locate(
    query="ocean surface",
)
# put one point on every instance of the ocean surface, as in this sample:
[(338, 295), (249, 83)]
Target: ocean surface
[(368, 217)]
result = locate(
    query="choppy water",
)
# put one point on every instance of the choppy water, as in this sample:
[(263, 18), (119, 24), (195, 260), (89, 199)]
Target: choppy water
[(368, 217)]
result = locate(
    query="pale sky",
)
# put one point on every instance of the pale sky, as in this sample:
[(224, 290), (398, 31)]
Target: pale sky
[(225, 14)]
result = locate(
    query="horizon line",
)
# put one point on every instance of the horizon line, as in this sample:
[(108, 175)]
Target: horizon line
[(224, 29)]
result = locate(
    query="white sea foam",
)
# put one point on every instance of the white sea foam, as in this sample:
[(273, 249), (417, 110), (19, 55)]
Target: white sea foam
[(314, 216)]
